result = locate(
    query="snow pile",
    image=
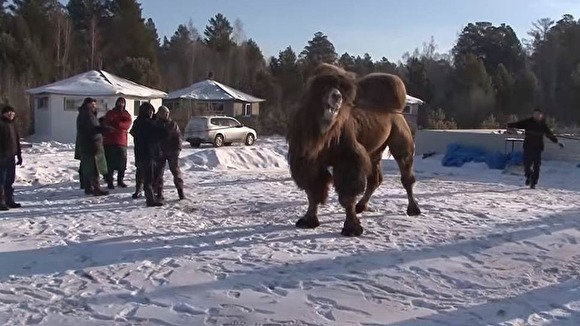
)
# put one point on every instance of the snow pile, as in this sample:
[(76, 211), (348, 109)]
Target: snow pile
[(457, 155), (234, 158)]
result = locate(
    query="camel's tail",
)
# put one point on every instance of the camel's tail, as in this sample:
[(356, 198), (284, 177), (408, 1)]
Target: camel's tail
[(381, 92)]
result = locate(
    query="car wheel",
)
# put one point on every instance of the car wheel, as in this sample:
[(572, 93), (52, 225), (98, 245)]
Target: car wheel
[(218, 141), (195, 145), (250, 139)]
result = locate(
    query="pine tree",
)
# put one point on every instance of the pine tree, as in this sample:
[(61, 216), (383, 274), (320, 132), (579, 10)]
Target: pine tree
[(318, 50), (218, 34)]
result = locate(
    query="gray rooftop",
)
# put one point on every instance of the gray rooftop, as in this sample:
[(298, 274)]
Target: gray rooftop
[(210, 90)]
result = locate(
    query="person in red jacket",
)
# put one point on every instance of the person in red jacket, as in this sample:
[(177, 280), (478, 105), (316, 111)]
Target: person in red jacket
[(115, 142)]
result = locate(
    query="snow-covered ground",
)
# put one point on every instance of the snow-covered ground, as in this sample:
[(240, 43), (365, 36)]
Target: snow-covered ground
[(486, 251)]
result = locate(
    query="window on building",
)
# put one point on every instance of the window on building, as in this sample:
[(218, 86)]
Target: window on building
[(42, 103), (217, 107), (73, 104), (137, 104), (248, 109)]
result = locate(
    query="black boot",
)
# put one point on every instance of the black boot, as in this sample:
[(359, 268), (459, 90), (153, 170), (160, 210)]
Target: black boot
[(109, 180), (158, 192), (88, 187), (120, 177), (3, 206), (9, 194), (180, 194), (81, 181), (97, 191), (150, 199), (138, 189)]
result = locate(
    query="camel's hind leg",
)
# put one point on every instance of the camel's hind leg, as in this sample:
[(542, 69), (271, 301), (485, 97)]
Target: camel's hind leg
[(374, 180), (317, 192), (402, 147)]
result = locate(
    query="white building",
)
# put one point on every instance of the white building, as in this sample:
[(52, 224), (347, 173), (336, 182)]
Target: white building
[(412, 111), (55, 105)]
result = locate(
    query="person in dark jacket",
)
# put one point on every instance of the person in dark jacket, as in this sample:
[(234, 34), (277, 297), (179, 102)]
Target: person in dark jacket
[(146, 134), (170, 149), (90, 147), (9, 151), (115, 142), (535, 128)]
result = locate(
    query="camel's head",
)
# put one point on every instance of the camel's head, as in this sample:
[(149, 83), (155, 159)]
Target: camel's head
[(331, 93)]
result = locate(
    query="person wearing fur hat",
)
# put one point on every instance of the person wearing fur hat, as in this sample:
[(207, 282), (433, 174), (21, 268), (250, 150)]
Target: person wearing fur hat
[(10, 156), (115, 142)]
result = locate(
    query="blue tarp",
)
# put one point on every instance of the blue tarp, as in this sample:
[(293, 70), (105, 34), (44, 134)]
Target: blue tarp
[(458, 154)]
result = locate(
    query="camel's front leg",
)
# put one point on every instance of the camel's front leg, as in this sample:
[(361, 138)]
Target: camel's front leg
[(317, 191), (350, 177)]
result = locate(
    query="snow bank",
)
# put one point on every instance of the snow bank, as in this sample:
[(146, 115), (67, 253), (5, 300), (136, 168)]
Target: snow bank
[(234, 158)]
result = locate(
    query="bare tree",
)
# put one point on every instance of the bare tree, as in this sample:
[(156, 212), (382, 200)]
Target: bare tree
[(239, 35), (540, 29), (193, 32)]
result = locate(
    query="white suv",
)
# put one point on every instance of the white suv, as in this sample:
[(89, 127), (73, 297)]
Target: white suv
[(217, 130)]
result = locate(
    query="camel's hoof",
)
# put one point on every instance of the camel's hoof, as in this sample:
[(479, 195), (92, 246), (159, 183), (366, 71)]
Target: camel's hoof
[(360, 207), (352, 231), (413, 211), (308, 223)]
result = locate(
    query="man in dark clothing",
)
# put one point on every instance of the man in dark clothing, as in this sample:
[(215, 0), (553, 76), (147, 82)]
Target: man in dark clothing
[(115, 142), (9, 150), (146, 134), (90, 147), (170, 149), (536, 128)]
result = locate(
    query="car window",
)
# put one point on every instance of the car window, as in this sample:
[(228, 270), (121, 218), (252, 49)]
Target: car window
[(223, 122), (232, 122), (197, 124), (215, 122)]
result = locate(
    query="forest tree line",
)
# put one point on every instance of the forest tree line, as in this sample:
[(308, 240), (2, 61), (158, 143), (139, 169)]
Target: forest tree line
[(490, 76)]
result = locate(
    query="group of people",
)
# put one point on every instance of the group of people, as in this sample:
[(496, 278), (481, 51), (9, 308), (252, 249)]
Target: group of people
[(101, 147)]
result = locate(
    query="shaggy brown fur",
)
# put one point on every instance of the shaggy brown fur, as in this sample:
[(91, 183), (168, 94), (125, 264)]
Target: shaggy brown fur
[(368, 121)]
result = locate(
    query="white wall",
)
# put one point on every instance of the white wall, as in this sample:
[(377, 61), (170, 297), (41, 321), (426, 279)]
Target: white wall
[(42, 120), (427, 141), (58, 124)]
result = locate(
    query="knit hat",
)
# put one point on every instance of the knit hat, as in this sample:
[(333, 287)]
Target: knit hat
[(7, 108)]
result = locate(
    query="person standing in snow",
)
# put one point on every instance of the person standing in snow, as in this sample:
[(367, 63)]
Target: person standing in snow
[(146, 134), (115, 142), (9, 151), (170, 149), (535, 128), (90, 147)]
